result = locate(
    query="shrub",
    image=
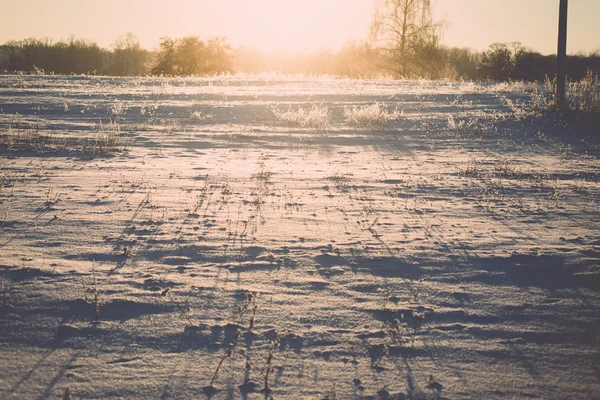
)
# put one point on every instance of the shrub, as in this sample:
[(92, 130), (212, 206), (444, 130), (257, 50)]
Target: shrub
[(581, 97), (370, 115), (316, 117)]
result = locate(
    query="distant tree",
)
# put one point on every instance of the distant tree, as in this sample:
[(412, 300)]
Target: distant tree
[(355, 60), (579, 64), (191, 56), (431, 60), (76, 56), (403, 31), (165, 63), (498, 63), (533, 66), (10, 56), (465, 63), (218, 56), (128, 58)]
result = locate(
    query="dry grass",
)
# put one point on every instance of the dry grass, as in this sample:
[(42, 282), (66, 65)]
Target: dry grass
[(317, 117), (582, 98), (106, 139), (370, 115)]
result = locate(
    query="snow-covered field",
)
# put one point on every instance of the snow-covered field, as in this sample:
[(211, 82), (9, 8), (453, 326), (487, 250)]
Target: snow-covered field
[(194, 238)]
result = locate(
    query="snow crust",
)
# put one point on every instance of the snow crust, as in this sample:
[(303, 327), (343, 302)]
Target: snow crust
[(418, 257)]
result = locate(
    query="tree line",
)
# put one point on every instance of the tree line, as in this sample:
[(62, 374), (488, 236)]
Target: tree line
[(75, 56), (187, 56), (404, 43)]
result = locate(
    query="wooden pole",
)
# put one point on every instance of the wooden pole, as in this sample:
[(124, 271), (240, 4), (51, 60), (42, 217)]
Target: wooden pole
[(561, 70)]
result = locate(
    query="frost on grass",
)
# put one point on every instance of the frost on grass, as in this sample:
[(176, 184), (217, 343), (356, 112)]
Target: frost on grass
[(370, 115), (317, 117), (475, 126), (117, 111), (105, 139), (200, 116), (582, 99)]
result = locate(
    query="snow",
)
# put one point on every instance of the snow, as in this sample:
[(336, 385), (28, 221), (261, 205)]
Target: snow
[(416, 258)]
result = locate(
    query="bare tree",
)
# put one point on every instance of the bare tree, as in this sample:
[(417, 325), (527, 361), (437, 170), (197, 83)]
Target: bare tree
[(218, 56), (401, 30), (128, 57)]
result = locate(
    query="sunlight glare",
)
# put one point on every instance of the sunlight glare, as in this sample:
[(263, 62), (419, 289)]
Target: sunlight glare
[(285, 25)]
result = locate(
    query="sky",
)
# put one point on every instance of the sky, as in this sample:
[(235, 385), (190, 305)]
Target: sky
[(292, 25)]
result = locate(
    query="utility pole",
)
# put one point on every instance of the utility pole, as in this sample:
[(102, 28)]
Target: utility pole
[(561, 57)]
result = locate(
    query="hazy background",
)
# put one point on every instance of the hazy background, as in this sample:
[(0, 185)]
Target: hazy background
[(292, 25)]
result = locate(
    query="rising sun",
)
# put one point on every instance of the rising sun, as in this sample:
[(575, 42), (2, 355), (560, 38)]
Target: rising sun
[(295, 25)]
